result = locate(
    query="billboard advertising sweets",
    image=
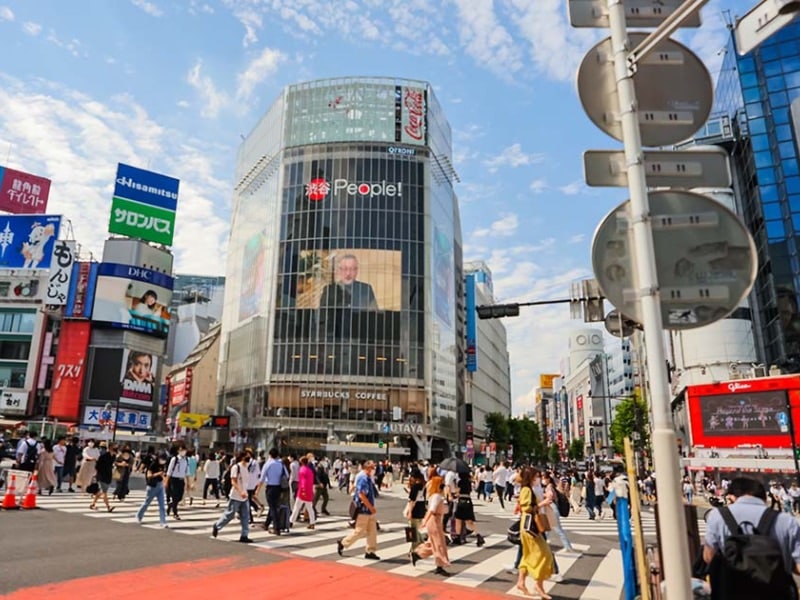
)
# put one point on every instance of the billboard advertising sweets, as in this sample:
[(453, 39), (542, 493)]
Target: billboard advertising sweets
[(129, 297)]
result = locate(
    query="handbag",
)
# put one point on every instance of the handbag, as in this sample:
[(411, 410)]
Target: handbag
[(512, 533), (542, 522), (93, 488), (411, 534), (116, 474), (529, 524)]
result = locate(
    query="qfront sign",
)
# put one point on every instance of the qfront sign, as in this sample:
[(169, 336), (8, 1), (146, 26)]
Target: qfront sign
[(144, 205)]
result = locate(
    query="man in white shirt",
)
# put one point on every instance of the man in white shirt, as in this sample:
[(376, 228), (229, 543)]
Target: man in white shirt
[(500, 478), (238, 502), (59, 454), (176, 480)]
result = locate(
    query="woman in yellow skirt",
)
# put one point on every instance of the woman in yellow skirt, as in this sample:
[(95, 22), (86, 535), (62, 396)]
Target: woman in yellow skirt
[(537, 559)]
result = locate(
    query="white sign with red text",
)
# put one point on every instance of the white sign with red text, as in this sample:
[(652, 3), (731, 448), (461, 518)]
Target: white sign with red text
[(413, 116)]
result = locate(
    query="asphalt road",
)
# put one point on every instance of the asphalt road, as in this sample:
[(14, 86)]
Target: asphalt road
[(46, 547)]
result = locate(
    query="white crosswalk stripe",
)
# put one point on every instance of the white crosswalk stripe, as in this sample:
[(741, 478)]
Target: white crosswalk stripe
[(486, 565)]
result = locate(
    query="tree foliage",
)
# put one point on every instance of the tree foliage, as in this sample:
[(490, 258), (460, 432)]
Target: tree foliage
[(523, 433), (576, 449), (631, 416)]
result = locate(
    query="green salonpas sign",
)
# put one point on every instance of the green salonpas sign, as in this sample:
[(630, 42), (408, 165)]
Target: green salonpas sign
[(142, 221)]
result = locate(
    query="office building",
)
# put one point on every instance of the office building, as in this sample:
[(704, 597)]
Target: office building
[(341, 330)]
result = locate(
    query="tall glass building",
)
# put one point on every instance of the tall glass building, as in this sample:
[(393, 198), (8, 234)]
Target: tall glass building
[(341, 328), (753, 119)]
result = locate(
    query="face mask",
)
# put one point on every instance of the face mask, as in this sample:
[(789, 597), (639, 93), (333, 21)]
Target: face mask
[(161, 461), (91, 444), (182, 454)]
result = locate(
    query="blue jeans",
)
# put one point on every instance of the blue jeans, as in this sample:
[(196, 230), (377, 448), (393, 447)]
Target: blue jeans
[(236, 506), (154, 491), (59, 476), (560, 530)]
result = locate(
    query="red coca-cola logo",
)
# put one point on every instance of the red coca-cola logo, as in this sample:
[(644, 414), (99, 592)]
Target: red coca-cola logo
[(414, 101)]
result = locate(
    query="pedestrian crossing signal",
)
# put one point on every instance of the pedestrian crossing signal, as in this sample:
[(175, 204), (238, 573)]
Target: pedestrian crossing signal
[(380, 444)]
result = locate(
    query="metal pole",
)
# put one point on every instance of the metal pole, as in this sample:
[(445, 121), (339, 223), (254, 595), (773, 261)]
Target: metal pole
[(672, 518)]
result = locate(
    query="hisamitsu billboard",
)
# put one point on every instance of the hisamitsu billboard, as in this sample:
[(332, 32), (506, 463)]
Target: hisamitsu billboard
[(144, 205)]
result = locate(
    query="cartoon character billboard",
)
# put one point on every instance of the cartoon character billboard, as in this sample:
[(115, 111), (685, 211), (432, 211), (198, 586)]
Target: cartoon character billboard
[(27, 241)]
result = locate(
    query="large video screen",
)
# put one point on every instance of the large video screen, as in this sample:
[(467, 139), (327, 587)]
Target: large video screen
[(129, 297), (754, 414)]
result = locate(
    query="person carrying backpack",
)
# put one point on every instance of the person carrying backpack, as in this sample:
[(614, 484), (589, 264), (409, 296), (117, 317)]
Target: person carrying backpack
[(751, 550), (27, 453)]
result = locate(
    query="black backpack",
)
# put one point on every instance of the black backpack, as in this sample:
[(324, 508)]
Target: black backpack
[(31, 454), (563, 504), (751, 563)]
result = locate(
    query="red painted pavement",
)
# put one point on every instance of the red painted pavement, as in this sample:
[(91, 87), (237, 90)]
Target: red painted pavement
[(232, 577)]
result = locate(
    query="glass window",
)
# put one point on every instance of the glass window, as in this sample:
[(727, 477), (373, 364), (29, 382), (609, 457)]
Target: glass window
[(772, 211), (776, 230), (747, 65), (14, 350), (749, 80), (786, 150), (12, 376), (772, 69), (768, 52), (754, 110), (793, 185), (783, 133), (758, 126), (766, 176), (751, 95), (763, 160), (779, 99)]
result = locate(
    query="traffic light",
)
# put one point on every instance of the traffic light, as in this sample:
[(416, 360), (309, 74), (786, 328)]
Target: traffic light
[(380, 443), (497, 311)]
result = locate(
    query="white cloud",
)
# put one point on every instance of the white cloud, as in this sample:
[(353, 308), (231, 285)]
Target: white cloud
[(259, 69), (196, 7), (512, 156), (76, 140), (6, 14), (504, 226), (485, 39), (577, 238), (572, 189), (72, 46), (149, 7), (212, 99), (249, 17), (31, 28), (555, 47), (183, 104), (538, 186)]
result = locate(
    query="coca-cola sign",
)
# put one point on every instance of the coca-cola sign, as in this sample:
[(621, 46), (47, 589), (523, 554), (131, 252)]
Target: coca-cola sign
[(413, 116)]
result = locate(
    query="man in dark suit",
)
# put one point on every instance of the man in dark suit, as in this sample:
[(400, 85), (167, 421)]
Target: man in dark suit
[(340, 299), (346, 292)]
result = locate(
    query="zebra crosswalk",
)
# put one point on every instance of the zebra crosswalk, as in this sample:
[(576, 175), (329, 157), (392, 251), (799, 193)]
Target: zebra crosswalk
[(484, 567), (577, 522)]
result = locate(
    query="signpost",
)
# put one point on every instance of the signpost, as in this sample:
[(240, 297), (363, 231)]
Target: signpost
[(639, 13), (659, 94), (762, 21), (677, 169), (672, 86), (705, 259)]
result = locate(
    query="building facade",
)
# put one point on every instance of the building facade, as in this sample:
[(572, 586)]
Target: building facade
[(343, 282), (196, 306), (488, 371), (753, 119)]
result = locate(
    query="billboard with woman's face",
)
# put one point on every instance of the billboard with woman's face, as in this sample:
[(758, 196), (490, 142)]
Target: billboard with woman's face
[(129, 297), (138, 378)]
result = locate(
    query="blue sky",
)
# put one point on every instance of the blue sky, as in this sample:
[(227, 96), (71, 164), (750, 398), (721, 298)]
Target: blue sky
[(172, 85)]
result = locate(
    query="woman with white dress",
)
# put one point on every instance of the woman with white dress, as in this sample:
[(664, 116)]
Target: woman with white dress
[(86, 473)]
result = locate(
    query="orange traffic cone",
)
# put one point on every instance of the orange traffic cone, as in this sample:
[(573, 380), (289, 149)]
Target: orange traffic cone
[(10, 499), (29, 501)]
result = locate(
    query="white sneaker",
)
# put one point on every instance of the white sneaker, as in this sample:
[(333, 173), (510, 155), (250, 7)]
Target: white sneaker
[(164, 526), (557, 578), (510, 569), (138, 520)]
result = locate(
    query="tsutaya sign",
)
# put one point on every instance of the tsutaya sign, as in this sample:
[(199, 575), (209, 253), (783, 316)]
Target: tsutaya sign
[(403, 428)]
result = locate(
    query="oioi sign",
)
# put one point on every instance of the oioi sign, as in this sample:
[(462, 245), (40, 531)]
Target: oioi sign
[(144, 205)]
